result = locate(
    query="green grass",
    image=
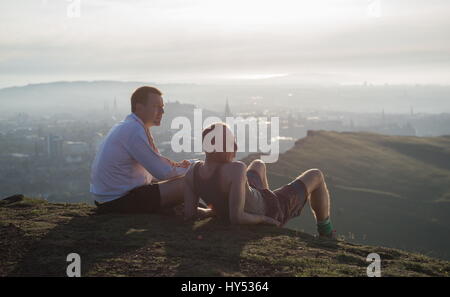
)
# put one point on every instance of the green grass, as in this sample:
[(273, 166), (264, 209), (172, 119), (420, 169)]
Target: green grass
[(37, 236)]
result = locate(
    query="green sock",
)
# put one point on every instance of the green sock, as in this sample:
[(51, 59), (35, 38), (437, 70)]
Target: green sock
[(325, 227)]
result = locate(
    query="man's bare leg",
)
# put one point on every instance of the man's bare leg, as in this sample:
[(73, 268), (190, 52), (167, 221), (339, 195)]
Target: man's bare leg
[(260, 167), (319, 200), (319, 197), (171, 192)]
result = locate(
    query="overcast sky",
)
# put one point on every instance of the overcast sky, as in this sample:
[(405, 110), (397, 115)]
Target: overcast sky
[(316, 41)]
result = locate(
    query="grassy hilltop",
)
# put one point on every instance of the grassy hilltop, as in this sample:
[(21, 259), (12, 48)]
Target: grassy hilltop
[(385, 190), (36, 237)]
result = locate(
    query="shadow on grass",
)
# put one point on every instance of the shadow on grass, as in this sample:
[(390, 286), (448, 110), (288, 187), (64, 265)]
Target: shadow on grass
[(141, 245)]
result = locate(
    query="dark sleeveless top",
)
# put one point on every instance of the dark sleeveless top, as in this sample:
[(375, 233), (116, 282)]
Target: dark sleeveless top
[(209, 190)]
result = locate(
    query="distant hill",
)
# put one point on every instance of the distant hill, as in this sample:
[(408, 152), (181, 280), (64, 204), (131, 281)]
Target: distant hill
[(36, 237), (79, 95), (87, 95), (385, 190)]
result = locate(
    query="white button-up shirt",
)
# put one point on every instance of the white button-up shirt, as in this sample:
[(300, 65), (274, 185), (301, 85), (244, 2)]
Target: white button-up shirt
[(126, 160)]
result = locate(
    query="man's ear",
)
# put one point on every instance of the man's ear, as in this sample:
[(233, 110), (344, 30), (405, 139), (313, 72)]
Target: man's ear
[(139, 106)]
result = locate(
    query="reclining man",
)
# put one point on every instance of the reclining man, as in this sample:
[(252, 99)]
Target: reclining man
[(128, 160)]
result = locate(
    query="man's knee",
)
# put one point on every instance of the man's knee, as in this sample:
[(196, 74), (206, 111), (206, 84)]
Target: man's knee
[(316, 174), (257, 165)]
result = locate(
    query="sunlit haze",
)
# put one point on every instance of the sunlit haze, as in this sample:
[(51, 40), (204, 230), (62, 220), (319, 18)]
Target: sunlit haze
[(206, 41)]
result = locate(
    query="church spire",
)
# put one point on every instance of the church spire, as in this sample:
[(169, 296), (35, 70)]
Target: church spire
[(228, 110)]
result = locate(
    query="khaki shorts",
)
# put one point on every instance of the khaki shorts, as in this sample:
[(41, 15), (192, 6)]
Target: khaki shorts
[(283, 203)]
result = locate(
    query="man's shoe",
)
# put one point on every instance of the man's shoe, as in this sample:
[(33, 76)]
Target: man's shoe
[(331, 236)]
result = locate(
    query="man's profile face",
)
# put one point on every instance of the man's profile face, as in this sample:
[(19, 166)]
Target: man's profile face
[(153, 110)]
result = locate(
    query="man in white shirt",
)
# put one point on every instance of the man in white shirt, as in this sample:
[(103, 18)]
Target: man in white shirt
[(128, 160)]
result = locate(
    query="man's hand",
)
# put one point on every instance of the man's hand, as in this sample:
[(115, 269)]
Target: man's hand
[(270, 221), (183, 164)]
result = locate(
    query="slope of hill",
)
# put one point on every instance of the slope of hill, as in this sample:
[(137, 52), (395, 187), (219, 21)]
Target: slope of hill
[(85, 95), (386, 190), (36, 237), (78, 96)]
